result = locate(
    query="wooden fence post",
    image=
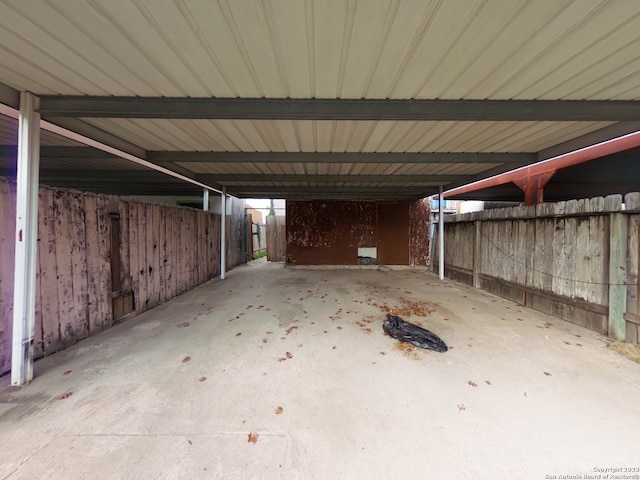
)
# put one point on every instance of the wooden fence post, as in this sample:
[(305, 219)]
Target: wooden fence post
[(617, 275), (476, 253)]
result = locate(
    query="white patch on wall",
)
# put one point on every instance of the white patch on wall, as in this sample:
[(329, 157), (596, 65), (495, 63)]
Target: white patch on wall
[(367, 255)]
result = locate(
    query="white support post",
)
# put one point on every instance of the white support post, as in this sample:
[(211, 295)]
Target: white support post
[(441, 235), (223, 234), (205, 200), (26, 243)]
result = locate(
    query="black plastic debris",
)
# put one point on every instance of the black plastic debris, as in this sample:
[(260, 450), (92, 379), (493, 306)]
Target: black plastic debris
[(408, 332)]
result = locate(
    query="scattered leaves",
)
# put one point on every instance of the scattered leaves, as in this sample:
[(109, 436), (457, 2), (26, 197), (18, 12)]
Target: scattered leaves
[(487, 382), (472, 383), (290, 329), (629, 350), (64, 395), (202, 379), (461, 407), (408, 349), (253, 437), (289, 355), (278, 410), (186, 359), (547, 374), (238, 334)]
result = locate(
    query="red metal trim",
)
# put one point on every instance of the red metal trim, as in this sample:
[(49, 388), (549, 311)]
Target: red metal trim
[(602, 149), (533, 187)]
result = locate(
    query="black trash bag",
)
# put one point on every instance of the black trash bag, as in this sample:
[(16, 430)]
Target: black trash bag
[(407, 332)]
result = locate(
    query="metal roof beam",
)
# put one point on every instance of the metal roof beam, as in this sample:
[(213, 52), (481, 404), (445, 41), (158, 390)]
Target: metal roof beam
[(59, 152), (434, 179), (9, 96), (338, 109), (597, 136), (340, 157), (345, 190), (336, 196)]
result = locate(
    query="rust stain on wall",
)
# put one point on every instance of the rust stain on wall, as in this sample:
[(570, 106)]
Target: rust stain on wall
[(330, 232), (419, 212)]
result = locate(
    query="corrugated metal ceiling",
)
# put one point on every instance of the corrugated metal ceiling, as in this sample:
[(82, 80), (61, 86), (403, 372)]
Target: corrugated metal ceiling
[(343, 136), (561, 49), (345, 49)]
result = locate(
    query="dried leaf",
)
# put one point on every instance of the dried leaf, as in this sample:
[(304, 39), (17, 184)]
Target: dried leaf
[(253, 437), (64, 395), (487, 382), (473, 384), (238, 334), (278, 410), (190, 442), (290, 329), (67, 372), (202, 379), (186, 359), (547, 374), (289, 355), (461, 407)]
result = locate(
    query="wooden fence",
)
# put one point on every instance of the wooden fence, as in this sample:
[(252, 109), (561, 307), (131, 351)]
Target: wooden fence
[(102, 259), (276, 238), (577, 260)]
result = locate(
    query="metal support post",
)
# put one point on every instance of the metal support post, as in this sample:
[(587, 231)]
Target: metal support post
[(223, 234), (441, 234), (205, 200), (26, 240)]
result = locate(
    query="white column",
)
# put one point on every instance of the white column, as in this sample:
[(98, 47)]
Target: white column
[(26, 244), (205, 200), (441, 234), (223, 234)]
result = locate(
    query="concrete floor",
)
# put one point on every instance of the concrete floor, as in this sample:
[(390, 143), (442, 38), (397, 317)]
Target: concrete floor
[(519, 394)]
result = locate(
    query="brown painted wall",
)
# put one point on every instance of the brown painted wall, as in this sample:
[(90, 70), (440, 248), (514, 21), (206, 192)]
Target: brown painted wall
[(164, 251), (330, 232)]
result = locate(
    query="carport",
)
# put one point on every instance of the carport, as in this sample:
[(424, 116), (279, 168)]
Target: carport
[(316, 100)]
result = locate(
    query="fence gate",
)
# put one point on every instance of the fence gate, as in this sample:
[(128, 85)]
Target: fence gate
[(276, 238)]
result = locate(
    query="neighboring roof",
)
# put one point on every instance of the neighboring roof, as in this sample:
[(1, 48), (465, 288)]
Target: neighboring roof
[(319, 99)]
